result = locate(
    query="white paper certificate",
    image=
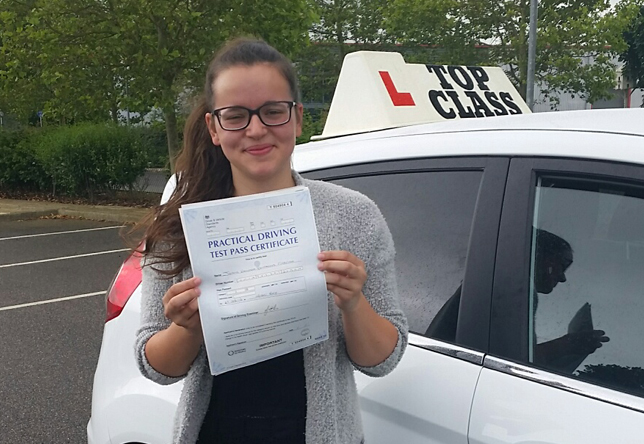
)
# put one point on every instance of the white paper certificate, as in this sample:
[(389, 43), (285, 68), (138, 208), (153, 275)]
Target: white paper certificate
[(262, 295)]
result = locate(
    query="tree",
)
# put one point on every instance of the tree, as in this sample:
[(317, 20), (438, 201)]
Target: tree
[(22, 92), (107, 55), (633, 56), (342, 26), (625, 378), (168, 44), (66, 50), (577, 43), (423, 31), (349, 21), (432, 31)]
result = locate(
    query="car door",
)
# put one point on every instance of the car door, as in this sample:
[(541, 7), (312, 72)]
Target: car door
[(444, 216), (566, 355)]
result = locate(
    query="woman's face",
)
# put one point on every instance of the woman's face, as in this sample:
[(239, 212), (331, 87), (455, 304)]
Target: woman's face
[(259, 155), (552, 272)]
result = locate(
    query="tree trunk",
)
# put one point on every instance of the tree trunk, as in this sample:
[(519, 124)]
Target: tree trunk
[(523, 89), (114, 111), (168, 97), (170, 116)]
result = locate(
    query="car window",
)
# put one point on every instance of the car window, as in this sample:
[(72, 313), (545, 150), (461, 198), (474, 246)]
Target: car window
[(430, 217), (587, 281)]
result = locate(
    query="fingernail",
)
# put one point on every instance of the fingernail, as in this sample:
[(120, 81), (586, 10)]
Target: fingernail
[(321, 256), (197, 281), (320, 266), (198, 291)]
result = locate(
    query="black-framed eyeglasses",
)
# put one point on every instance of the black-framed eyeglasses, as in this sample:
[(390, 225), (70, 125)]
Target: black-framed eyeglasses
[(236, 118)]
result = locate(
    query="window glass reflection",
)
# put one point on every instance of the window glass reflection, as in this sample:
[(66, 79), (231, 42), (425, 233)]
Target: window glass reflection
[(587, 281), (430, 217)]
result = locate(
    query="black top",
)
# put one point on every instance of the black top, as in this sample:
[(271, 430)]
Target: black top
[(261, 403)]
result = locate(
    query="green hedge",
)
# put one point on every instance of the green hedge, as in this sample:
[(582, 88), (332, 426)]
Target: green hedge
[(312, 124), (88, 158), (156, 142), (79, 160), (19, 168)]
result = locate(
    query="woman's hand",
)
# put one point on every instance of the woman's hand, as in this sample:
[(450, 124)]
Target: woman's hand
[(345, 276), (370, 338), (181, 307), (584, 342), (172, 351)]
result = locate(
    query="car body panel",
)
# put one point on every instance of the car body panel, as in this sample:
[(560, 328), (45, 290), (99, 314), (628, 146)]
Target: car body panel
[(509, 409), (126, 406), (578, 134), (408, 406)]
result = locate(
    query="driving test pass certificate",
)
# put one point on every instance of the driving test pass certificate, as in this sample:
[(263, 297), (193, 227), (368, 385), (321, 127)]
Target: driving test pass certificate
[(262, 294)]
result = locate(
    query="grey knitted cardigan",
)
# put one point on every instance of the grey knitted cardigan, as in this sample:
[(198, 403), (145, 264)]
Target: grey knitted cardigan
[(346, 220)]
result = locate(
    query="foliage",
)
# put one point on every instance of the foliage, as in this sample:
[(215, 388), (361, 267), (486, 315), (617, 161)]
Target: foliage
[(312, 124), (19, 169), (346, 26), (89, 158), (439, 27), (89, 60), (577, 43), (52, 62), (355, 21), (318, 67), (343, 26), (168, 44), (81, 60), (624, 378), (154, 138), (633, 56), (577, 40)]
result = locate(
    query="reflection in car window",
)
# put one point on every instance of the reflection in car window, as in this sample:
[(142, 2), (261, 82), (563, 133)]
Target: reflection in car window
[(430, 217), (587, 281)]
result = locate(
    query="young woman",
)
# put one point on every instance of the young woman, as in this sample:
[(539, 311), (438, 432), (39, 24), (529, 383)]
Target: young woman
[(239, 141)]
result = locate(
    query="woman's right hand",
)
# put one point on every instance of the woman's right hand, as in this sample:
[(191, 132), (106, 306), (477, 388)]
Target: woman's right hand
[(181, 307), (173, 350)]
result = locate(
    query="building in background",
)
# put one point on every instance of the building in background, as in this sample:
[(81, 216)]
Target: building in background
[(623, 96)]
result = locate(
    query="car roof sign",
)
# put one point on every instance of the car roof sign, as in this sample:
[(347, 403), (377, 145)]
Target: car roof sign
[(378, 90)]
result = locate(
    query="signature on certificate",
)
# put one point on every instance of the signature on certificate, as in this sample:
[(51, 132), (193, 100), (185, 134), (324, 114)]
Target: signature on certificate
[(270, 309)]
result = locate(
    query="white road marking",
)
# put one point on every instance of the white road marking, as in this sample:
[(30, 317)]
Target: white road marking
[(51, 301), (18, 264), (57, 232)]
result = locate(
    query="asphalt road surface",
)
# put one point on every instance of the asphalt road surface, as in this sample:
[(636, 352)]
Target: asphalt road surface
[(53, 277)]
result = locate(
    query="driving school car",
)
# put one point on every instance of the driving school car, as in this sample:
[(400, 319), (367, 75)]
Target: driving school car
[(467, 198)]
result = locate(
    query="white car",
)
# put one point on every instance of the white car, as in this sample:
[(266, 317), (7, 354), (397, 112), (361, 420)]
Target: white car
[(461, 199), (520, 251)]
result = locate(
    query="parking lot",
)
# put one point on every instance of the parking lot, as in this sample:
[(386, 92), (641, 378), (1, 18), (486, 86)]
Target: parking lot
[(53, 275)]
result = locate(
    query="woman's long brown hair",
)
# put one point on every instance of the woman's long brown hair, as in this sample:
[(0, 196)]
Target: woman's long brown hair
[(202, 171)]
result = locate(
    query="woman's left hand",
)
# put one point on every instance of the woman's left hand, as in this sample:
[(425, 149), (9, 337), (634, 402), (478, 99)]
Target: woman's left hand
[(345, 276)]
